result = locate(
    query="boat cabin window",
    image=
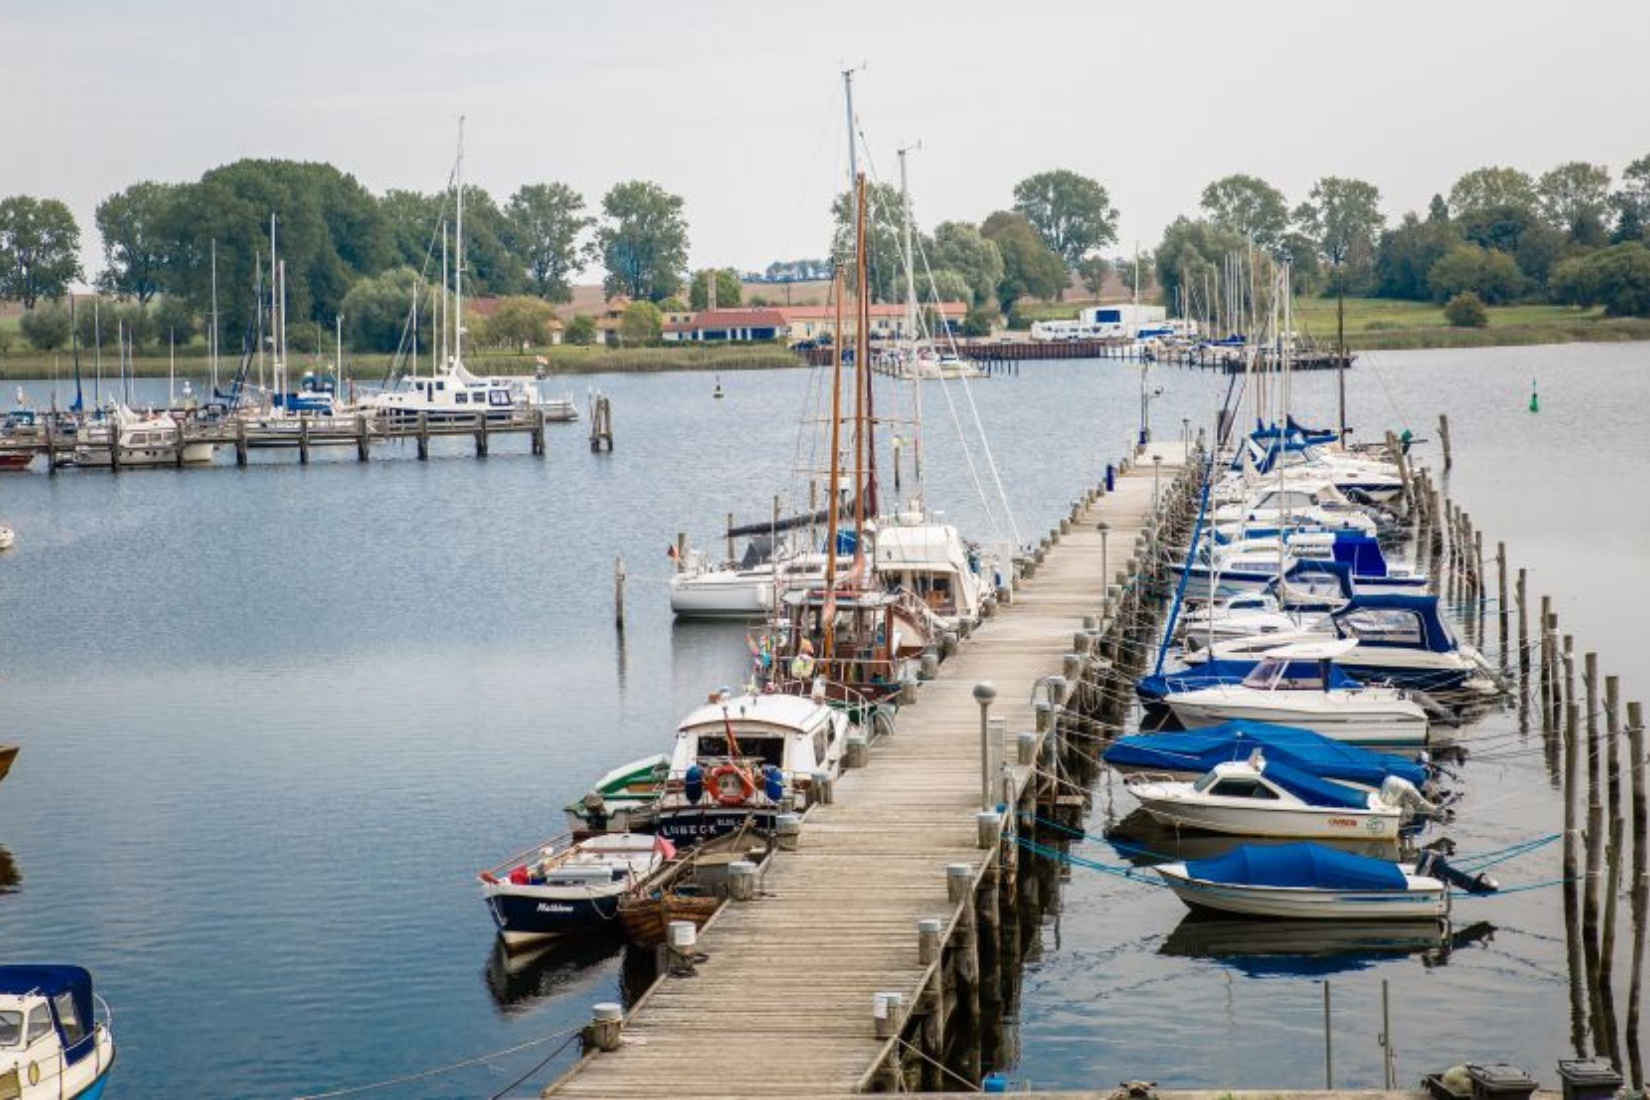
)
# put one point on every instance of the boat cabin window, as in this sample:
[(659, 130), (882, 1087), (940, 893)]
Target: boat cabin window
[(11, 1028), (1233, 787), (73, 1029), (40, 1022), (1381, 626), (1275, 675), (769, 750), (498, 397), (461, 398), (821, 745)]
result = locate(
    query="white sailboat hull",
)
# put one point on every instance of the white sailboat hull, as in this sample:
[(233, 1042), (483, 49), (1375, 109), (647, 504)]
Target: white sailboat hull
[(723, 593)]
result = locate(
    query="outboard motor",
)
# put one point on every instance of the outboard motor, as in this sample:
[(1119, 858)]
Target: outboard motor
[(1398, 791), (595, 811), (693, 784), (1433, 865)]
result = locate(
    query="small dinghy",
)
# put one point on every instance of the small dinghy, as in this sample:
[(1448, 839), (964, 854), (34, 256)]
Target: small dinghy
[(1258, 797), (1306, 881), (692, 888), (51, 1045), (550, 890)]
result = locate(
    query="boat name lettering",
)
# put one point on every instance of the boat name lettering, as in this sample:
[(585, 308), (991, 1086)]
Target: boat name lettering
[(550, 907), (1345, 822)]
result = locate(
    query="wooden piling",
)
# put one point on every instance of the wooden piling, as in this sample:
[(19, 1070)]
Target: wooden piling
[(481, 435), (363, 444), (1503, 615), (240, 443), (303, 441), (1641, 895), (618, 594), (536, 436), (1612, 852), (1523, 631), (1443, 438), (423, 436), (1595, 845)]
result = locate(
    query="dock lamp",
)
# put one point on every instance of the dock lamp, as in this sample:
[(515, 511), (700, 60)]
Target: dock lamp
[(984, 693)]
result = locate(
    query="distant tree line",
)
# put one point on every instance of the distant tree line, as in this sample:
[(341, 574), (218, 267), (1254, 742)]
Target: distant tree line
[(1501, 235), (1571, 235)]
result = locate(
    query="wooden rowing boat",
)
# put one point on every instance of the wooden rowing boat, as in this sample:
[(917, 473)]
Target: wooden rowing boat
[(692, 889)]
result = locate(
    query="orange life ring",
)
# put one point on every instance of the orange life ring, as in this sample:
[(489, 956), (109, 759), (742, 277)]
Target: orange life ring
[(725, 796)]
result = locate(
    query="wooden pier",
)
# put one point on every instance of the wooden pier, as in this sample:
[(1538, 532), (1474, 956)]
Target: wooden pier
[(304, 435), (878, 934)]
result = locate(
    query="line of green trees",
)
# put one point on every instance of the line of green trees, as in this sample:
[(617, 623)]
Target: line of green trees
[(1501, 235), (1570, 235)]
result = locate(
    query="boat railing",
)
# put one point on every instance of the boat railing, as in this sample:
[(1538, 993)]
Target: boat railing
[(559, 843)]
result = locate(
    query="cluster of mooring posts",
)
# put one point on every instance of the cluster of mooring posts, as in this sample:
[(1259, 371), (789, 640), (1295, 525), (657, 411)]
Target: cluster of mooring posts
[(305, 434), (880, 948), (1595, 755)]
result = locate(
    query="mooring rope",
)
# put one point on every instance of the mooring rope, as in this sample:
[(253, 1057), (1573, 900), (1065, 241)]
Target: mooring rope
[(439, 1070)]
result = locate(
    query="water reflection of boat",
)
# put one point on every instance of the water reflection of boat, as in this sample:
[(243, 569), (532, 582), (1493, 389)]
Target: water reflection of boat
[(8, 753), (520, 979), (1296, 948), (10, 876), (1141, 840)]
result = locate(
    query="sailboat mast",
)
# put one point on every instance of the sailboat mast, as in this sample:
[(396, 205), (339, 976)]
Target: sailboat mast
[(833, 504), (865, 453), (214, 348), (458, 256), (853, 145), (911, 327)]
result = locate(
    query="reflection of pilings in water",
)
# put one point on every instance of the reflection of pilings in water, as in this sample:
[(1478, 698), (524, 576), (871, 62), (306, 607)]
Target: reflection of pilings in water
[(1595, 854), (1641, 893), (1612, 858), (1503, 613), (1523, 655)]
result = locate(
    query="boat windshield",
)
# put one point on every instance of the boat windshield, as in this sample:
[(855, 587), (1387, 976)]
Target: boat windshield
[(11, 1028), (1382, 626), (1273, 674), (770, 750)]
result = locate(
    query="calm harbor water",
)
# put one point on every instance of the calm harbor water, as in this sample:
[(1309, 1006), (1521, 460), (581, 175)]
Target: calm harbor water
[(274, 719)]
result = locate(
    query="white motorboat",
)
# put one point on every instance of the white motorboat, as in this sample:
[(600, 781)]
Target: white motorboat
[(1292, 686), (734, 760), (1396, 639), (557, 888), (138, 439), (454, 395), (52, 1046), (915, 552), (1306, 881), (1257, 797), (747, 589)]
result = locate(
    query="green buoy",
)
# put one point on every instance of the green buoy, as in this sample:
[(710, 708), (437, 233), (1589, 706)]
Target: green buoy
[(1535, 398)]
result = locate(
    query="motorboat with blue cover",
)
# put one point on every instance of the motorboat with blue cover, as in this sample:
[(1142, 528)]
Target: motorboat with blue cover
[(1306, 881), (51, 1043), (1260, 797), (1296, 685), (1192, 753), (1398, 639)]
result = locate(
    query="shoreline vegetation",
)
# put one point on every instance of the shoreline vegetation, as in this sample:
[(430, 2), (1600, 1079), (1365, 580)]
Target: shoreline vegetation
[(1372, 324)]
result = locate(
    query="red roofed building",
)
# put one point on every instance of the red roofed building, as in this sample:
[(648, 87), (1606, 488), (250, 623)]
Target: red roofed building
[(887, 319), (729, 324)]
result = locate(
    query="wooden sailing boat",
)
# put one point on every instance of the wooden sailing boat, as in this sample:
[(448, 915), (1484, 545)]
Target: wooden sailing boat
[(848, 636)]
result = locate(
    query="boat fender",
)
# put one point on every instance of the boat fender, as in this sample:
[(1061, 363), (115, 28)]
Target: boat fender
[(693, 784), (802, 666), (734, 793), (773, 782)]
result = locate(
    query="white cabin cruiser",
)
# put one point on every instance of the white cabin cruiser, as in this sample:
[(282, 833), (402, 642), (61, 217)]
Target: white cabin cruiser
[(454, 395), (51, 1045), (1280, 689), (138, 439), (1262, 798)]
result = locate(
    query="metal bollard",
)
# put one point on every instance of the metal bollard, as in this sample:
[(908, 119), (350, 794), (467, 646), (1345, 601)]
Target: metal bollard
[(929, 931), (990, 826), (959, 882), (929, 667), (787, 831), (606, 1023), (1026, 744), (908, 692), (742, 880), (857, 752), (886, 1012), (821, 789)]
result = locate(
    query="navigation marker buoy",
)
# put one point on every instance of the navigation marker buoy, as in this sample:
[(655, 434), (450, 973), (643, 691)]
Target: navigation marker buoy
[(1535, 398)]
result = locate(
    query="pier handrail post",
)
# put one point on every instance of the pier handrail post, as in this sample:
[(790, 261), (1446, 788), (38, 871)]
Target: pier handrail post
[(984, 693)]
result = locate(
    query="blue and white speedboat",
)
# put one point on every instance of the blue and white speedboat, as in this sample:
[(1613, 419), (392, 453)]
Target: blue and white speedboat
[(51, 1043)]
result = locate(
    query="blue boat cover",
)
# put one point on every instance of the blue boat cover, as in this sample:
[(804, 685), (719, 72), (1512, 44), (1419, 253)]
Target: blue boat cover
[(1216, 673), (1362, 553), (1200, 750), (50, 980), (1314, 791), (1305, 865), (1317, 577), (1435, 635)]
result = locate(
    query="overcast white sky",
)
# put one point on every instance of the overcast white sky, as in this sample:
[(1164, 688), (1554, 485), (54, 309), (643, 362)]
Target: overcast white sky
[(737, 104)]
